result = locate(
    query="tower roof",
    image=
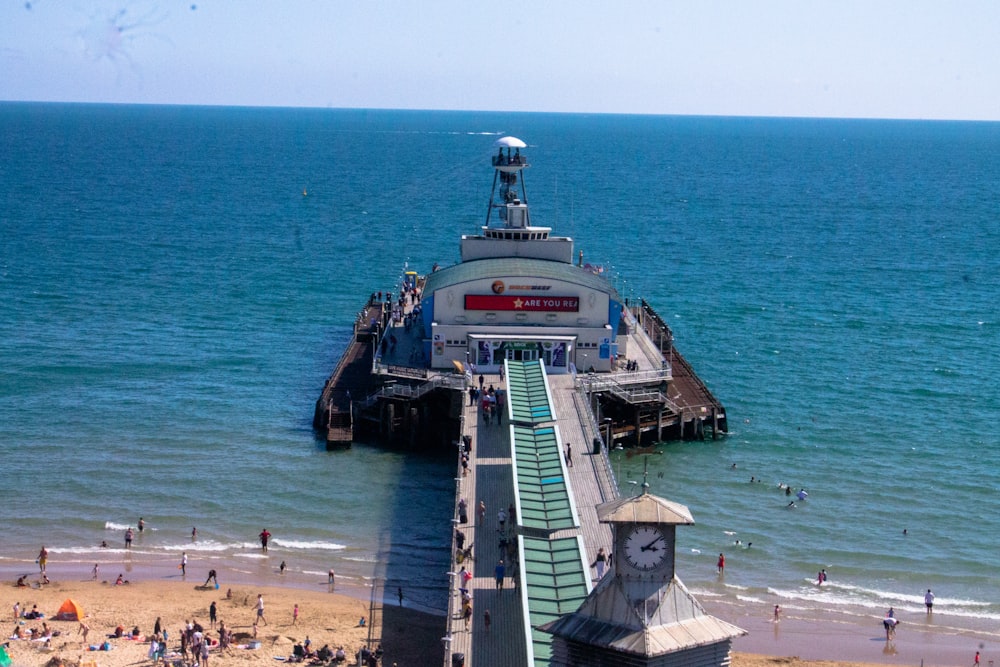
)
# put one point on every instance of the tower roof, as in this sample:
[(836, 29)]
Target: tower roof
[(644, 508), (665, 620)]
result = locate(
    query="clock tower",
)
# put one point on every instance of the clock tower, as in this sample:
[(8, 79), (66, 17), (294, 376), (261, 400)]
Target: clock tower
[(640, 613)]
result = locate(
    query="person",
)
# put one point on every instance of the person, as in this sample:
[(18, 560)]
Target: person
[(96, 569), (600, 562), (325, 653), (891, 613), (213, 614), (890, 623), (459, 539), (260, 610), (929, 601), (43, 558), (128, 537), (569, 455), (281, 568), (84, 629), (721, 564), (399, 592), (17, 609), (502, 518), (975, 661), (295, 614), (821, 577), (141, 524), (120, 580), (467, 614), (361, 622), (463, 511), (331, 577), (194, 533), (211, 577), (499, 571), (264, 537), (777, 613), (22, 581), (487, 620), (184, 563), (465, 576), (104, 544), (482, 512)]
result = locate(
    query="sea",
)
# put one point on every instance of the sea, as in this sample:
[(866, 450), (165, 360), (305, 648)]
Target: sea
[(176, 284)]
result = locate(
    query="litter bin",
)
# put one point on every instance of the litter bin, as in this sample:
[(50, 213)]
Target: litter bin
[(597, 445), (457, 660)]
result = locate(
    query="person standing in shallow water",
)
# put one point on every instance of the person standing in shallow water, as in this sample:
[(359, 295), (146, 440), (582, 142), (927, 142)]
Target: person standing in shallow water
[(264, 537), (722, 563)]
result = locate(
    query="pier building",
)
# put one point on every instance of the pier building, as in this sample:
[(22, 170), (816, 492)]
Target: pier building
[(519, 293)]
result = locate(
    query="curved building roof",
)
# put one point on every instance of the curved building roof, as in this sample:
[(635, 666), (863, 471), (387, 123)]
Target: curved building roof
[(516, 266)]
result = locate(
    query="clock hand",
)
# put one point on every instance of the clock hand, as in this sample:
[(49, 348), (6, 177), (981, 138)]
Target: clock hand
[(650, 547)]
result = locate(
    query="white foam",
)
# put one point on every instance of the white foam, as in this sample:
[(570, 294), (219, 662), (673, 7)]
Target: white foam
[(202, 545), (316, 545), (111, 525)]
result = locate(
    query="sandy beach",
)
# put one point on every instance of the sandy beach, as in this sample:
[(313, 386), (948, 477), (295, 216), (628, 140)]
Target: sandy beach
[(408, 636)]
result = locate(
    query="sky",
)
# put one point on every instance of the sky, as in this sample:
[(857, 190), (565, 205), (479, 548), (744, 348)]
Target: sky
[(834, 58)]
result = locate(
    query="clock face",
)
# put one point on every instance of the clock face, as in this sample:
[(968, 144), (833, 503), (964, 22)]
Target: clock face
[(645, 547)]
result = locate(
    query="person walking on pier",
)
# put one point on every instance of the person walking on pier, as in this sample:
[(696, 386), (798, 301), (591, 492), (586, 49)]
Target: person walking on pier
[(569, 455), (500, 572), (482, 512), (600, 562)]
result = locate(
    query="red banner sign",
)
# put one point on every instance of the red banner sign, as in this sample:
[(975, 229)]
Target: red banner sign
[(548, 304)]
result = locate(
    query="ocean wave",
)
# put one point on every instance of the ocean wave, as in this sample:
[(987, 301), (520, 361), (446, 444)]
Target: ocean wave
[(362, 559), (834, 596), (317, 545), (111, 525), (207, 545)]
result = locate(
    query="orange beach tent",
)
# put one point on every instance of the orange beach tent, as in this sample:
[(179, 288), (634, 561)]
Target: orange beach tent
[(70, 611)]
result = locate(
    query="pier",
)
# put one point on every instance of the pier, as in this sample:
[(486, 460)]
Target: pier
[(548, 539), (390, 396)]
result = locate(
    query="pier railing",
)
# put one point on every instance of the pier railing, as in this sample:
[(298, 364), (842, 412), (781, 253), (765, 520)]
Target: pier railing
[(607, 484), (415, 391), (617, 384)]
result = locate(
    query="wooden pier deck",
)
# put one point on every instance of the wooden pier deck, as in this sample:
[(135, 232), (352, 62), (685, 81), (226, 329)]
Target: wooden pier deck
[(352, 377), (490, 480)]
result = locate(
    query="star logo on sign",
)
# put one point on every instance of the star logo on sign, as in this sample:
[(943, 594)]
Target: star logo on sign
[(518, 303)]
